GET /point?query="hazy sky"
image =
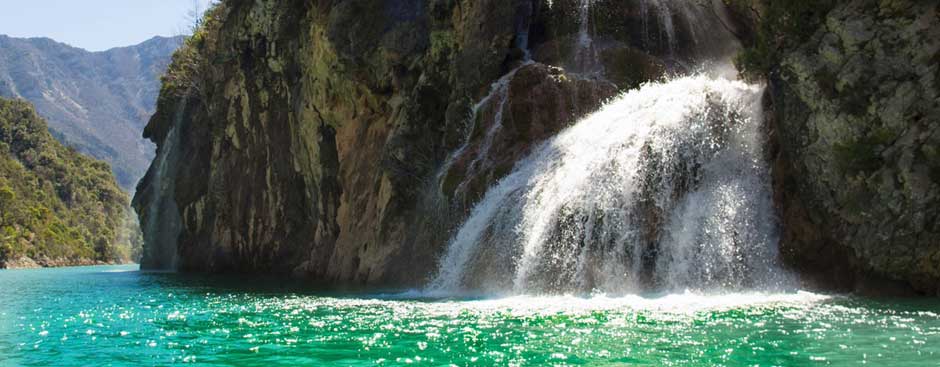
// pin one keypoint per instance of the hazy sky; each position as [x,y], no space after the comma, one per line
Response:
[95,25]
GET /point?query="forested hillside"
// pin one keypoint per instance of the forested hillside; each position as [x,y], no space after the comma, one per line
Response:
[57,206]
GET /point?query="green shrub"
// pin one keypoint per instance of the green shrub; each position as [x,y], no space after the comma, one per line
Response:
[189,62]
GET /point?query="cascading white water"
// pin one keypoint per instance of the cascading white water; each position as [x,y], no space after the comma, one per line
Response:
[499,94]
[664,188]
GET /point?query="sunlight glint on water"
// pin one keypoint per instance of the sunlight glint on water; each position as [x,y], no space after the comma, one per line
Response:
[74,317]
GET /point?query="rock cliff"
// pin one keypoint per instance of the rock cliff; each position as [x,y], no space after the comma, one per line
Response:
[856,114]
[341,140]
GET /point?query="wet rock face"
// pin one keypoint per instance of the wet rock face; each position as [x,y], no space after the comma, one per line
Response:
[535,104]
[314,142]
[857,113]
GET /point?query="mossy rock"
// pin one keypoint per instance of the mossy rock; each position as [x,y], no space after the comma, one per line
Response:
[859,156]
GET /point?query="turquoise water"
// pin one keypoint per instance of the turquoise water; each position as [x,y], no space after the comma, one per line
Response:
[120,317]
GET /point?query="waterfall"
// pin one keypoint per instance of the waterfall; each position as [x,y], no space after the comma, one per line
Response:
[524,14]
[695,25]
[163,223]
[586,58]
[664,17]
[498,94]
[665,188]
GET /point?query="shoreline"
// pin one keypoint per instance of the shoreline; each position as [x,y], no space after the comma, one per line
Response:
[43,263]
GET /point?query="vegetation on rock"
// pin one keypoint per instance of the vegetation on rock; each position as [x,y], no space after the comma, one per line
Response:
[189,61]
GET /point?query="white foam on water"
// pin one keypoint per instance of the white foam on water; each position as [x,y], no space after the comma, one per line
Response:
[519,306]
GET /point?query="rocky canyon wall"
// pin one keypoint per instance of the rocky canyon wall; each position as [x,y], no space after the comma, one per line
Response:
[343,141]
[340,140]
[856,113]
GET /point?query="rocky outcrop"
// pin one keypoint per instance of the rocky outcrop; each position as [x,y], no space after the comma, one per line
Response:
[856,114]
[302,152]
[318,138]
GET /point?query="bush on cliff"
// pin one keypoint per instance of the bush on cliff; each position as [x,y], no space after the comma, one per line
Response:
[189,61]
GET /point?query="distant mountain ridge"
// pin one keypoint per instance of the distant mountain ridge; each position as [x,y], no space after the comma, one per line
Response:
[98,102]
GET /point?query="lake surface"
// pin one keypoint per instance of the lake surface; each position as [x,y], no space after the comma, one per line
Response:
[100,316]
